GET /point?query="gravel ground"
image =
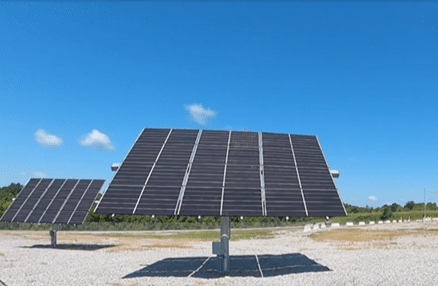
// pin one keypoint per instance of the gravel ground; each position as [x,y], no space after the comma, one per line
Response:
[291,258]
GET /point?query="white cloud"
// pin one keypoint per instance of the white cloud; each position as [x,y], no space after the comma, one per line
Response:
[199,113]
[96,139]
[372,198]
[38,175]
[28,175]
[46,139]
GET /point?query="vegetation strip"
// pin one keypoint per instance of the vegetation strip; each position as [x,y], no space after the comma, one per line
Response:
[359,235]
[198,235]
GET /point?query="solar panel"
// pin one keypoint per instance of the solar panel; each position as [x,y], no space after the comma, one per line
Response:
[56,201]
[242,193]
[203,192]
[320,193]
[222,173]
[282,186]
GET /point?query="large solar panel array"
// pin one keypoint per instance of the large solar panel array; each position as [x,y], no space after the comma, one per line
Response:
[56,201]
[223,173]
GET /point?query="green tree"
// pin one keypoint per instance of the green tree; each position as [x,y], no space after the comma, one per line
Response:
[409,205]
[396,207]
[386,214]
[431,206]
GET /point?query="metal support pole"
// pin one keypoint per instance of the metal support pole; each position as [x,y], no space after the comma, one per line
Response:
[424,203]
[224,257]
[53,236]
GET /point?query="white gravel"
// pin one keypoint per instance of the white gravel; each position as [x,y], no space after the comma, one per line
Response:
[408,260]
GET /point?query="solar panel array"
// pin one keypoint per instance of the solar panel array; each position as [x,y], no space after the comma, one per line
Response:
[222,173]
[57,201]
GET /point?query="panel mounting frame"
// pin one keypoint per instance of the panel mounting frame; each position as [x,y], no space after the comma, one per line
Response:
[298,175]
[150,172]
[187,174]
[225,173]
[262,176]
[34,188]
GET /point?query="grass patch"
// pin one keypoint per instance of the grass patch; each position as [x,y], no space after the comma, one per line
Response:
[358,235]
[375,216]
[200,235]
[158,245]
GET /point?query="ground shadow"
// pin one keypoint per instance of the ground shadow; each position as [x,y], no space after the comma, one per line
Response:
[89,247]
[240,266]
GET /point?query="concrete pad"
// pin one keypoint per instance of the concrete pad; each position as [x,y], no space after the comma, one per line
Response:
[322,225]
[387,221]
[394,221]
[400,220]
[335,224]
[349,223]
[372,222]
[308,227]
[380,221]
[361,223]
[316,226]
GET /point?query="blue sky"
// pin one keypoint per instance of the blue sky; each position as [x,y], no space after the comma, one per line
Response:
[79,81]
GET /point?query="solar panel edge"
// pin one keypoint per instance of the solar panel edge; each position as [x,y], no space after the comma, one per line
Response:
[115,173]
[7,210]
[94,199]
[27,198]
[152,169]
[333,180]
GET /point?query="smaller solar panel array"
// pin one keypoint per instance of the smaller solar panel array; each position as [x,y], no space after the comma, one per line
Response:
[56,201]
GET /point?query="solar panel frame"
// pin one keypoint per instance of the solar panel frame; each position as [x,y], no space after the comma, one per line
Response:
[58,201]
[30,201]
[317,182]
[283,189]
[41,197]
[167,178]
[65,201]
[257,174]
[14,207]
[242,189]
[199,199]
[40,207]
[120,209]
[333,180]
[152,169]
[86,203]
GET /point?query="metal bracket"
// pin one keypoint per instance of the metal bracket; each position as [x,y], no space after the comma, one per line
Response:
[186,176]
[225,172]
[298,175]
[53,236]
[262,175]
